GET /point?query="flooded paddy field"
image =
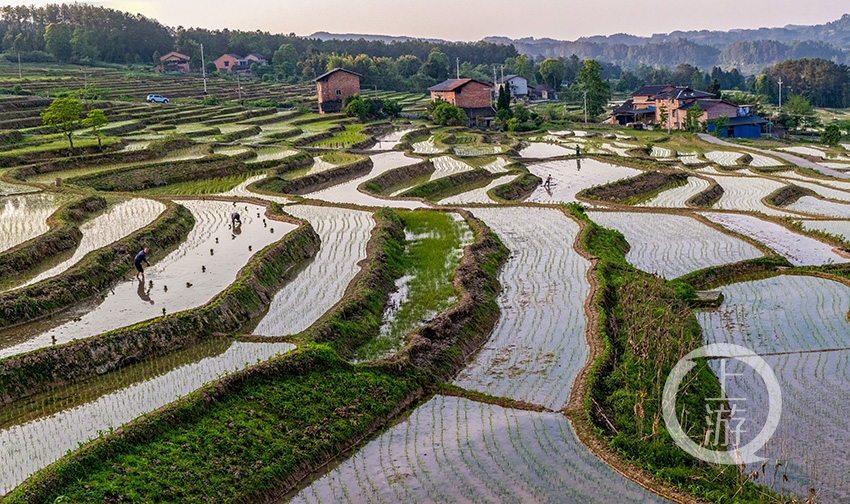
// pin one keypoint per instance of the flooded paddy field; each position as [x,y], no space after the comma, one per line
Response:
[478,195]
[746,193]
[201,267]
[572,176]
[673,245]
[24,216]
[678,197]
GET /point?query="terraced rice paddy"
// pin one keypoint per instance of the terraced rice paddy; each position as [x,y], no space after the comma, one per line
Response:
[724,158]
[815,206]
[800,325]
[835,166]
[677,197]
[447,165]
[761,161]
[7,189]
[538,345]
[798,249]
[497,166]
[622,152]
[30,446]
[344,234]
[674,245]
[427,147]
[390,140]
[478,195]
[823,191]
[119,221]
[477,150]
[23,217]
[539,150]
[241,191]
[271,154]
[689,158]
[569,177]
[660,152]
[201,267]
[434,243]
[837,227]
[232,150]
[746,193]
[456,450]
[347,192]
[805,151]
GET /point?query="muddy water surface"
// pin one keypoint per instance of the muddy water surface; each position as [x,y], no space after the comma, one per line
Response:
[571,176]
[24,216]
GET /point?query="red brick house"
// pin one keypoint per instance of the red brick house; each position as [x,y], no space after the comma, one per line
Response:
[471,95]
[232,63]
[335,86]
[256,58]
[174,62]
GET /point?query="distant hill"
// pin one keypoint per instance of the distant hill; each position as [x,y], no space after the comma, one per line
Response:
[748,50]
[357,36]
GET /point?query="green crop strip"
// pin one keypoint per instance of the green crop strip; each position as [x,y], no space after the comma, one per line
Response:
[200,187]
[646,327]
[428,262]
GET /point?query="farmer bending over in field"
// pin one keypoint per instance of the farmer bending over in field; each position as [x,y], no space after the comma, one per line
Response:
[141,256]
[234,219]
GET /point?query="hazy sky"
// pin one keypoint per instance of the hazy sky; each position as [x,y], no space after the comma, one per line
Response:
[475,19]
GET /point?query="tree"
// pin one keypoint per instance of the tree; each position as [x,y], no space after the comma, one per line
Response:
[831,135]
[447,114]
[64,113]
[503,101]
[57,41]
[285,59]
[714,88]
[719,124]
[662,113]
[84,46]
[210,67]
[95,120]
[392,108]
[598,91]
[692,118]
[553,71]
[360,107]
[437,66]
[797,113]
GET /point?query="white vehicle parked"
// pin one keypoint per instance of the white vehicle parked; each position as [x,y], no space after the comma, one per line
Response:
[155,98]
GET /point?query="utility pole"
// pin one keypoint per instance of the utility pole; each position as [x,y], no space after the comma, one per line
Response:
[203,69]
[239,87]
[585,106]
[780,92]
[495,85]
[20,74]
[457,61]
[669,118]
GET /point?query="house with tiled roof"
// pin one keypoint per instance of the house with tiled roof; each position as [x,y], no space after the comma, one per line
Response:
[335,86]
[473,96]
[516,85]
[664,103]
[174,62]
[232,63]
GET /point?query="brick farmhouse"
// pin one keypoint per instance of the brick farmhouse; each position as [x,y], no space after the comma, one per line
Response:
[335,86]
[647,104]
[473,96]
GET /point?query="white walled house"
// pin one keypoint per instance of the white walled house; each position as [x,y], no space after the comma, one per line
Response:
[517,85]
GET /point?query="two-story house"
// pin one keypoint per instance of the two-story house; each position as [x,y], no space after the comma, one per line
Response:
[473,96]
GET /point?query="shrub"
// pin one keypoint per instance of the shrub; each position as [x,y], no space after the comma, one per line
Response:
[447,114]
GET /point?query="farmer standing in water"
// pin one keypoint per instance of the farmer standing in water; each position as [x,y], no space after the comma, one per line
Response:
[235,219]
[141,256]
[548,182]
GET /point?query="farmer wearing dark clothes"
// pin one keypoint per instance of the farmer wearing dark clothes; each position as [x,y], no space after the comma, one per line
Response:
[235,219]
[578,150]
[141,256]
[548,182]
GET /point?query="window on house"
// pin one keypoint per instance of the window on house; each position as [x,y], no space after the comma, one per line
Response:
[338,92]
[227,63]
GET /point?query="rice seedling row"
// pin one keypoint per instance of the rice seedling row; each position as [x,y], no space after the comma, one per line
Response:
[28,447]
[746,193]
[538,345]
[787,313]
[390,140]
[241,191]
[447,165]
[24,217]
[117,222]
[478,195]
[344,234]
[812,205]
[497,166]
[835,166]
[201,267]
[346,192]
[456,450]
[571,176]
[660,152]
[798,249]
[761,161]
[805,151]
[792,175]
[724,158]
[677,197]
[673,245]
[622,152]
[826,192]
[477,150]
